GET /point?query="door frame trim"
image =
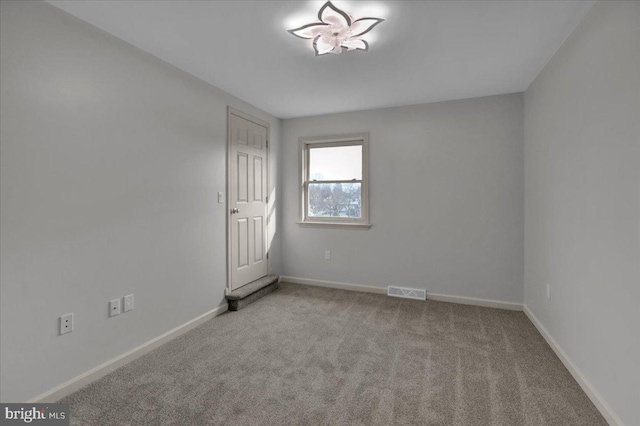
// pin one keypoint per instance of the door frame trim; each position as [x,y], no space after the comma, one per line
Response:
[232,111]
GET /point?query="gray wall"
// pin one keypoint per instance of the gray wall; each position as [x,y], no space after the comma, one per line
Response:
[446,200]
[111,161]
[582,206]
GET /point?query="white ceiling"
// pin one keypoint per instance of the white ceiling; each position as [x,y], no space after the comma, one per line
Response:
[424,52]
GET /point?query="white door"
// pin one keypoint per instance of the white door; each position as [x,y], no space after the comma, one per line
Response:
[247,199]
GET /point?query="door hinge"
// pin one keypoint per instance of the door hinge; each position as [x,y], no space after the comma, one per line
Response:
[267,143]
[267,198]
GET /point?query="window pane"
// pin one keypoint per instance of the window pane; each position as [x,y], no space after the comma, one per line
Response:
[335,200]
[335,163]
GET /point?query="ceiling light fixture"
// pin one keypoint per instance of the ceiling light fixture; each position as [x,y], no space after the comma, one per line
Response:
[336,31]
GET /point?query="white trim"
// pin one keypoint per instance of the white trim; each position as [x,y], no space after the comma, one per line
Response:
[232,111]
[474,301]
[334,284]
[102,370]
[304,144]
[242,114]
[337,225]
[602,406]
[383,290]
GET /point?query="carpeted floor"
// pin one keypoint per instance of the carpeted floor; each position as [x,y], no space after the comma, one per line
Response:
[314,356]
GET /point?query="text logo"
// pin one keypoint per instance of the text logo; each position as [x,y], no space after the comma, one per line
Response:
[35,414]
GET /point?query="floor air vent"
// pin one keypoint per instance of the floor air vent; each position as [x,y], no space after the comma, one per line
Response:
[407,293]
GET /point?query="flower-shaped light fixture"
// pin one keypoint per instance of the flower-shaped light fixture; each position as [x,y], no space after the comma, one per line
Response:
[336,31]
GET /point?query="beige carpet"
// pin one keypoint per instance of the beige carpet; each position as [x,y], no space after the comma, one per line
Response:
[314,356]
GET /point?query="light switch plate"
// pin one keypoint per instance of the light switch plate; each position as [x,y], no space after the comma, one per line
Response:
[128,303]
[548,291]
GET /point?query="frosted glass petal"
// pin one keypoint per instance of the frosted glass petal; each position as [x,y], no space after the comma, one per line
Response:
[330,14]
[354,43]
[321,46]
[364,25]
[308,31]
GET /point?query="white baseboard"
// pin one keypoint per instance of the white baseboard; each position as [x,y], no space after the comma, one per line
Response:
[102,370]
[602,406]
[430,296]
[474,301]
[334,284]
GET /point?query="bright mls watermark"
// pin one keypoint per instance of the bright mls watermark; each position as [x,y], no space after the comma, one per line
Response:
[36,414]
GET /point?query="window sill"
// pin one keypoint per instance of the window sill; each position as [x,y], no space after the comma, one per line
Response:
[338,225]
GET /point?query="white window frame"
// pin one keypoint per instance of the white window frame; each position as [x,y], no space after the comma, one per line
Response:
[330,141]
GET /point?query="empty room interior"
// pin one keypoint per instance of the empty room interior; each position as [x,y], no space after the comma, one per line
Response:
[320,212]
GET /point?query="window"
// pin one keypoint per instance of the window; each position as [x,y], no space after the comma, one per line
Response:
[334,187]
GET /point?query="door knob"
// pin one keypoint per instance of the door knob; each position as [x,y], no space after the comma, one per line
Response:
[235,210]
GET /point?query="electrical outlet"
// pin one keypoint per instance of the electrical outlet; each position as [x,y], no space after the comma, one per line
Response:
[128,303]
[114,307]
[66,324]
[220,197]
[327,255]
[549,291]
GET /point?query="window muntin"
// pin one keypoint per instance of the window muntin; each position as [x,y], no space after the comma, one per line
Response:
[334,186]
